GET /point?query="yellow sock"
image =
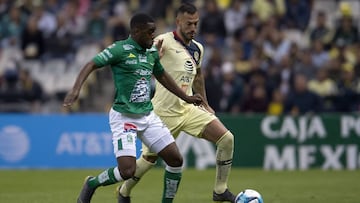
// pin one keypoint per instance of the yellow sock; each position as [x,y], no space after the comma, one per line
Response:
[142,166]
[224,155]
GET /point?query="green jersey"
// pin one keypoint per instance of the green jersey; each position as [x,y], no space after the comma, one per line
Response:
[132,67]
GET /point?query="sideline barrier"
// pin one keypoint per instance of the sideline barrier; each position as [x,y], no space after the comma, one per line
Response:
[329,142]
[55,141]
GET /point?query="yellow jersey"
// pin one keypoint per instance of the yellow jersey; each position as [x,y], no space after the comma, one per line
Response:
[180,61]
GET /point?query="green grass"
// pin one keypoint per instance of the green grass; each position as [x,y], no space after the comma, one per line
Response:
[62,186]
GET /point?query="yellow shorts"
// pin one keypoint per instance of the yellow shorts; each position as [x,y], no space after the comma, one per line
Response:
[193,123]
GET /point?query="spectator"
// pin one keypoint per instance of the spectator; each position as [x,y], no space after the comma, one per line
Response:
[300,100]
[297,14]
[60,43]
[256,101]
[276,104]
[234,17]
[357,61]
[264,9]
[13,97]
[213,77]
[231,88]
[346,33]
[325,87]
[33,90]
[276,46]
[12,25]
[319,56]
[321,31]
[96,25]
[349,90]
[46,20]
[32,40]
[305,65]
[212,25]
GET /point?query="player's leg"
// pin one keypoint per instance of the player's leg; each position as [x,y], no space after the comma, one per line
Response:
[172,177]
[124,170]
[147,160]
[162,143]
[143,164]
[217,133]
[124,133]
[203,124]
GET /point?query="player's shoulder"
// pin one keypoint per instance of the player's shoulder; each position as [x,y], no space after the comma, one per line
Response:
[124,45]
[198,44]
[165,36]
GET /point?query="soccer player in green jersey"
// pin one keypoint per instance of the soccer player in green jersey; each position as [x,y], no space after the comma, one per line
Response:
[133,62]
[181,57]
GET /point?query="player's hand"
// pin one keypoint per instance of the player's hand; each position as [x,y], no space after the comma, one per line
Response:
[70,98]
[207,107]
[196,99]
[158,45]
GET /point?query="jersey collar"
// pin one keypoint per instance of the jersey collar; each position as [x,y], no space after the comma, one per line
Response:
[177,38]
[133,42]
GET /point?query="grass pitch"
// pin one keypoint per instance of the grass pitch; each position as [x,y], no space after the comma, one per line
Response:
[63,186]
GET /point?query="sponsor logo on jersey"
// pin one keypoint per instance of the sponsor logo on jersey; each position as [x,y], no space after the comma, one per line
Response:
[188,66]
[131,62]
[128,46]
[142,58]
[143,72]
[186,79]
[129,127]
[141,91]
[131,55]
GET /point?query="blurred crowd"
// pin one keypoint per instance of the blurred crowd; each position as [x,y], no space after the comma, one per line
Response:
[261,56]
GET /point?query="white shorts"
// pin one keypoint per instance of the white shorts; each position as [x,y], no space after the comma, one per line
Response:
[148,128]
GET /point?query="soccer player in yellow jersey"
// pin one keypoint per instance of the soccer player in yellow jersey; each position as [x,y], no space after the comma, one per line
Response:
[181,57]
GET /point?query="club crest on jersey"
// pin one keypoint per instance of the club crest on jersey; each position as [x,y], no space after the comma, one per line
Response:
[196,56]
[189,66]
[129,128]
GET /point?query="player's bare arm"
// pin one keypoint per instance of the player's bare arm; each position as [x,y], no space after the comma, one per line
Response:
[166,80]
[73,94]
[199,87]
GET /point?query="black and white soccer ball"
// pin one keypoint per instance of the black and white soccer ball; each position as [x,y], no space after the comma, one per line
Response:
[249,196]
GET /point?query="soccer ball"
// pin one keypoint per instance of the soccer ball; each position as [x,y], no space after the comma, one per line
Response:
[249,196]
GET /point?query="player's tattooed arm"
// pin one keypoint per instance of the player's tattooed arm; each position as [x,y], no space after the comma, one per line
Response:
[199,87]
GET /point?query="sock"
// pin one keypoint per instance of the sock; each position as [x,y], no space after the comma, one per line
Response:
[107,177]
[172,179]
[142,166]
[224,155]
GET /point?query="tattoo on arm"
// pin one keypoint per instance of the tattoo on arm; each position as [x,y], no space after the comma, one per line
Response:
[199,84]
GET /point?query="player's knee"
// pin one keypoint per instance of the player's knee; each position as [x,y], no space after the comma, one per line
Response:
[150,158]
[127,173]
[226,141]
[176,161]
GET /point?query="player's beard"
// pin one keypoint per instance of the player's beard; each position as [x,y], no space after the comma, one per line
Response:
[188,36]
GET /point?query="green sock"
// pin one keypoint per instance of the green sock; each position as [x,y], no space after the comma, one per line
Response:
[107,177]
[171,183]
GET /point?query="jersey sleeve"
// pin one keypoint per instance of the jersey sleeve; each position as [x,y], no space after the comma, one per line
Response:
[158,68]
[201,54]
[110,55]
